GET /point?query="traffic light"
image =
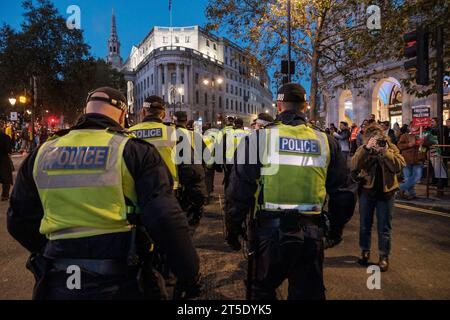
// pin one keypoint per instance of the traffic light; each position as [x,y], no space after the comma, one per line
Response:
[416,50]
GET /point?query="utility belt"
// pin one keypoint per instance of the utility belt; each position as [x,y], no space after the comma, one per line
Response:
[287,218]
[100,267]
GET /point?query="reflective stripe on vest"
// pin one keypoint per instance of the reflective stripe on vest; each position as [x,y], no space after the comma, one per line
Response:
[164,138]
[296,165]
[82,182]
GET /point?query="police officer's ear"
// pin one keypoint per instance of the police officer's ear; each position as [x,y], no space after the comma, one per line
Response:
[142,113]
[162,115]
[122,118]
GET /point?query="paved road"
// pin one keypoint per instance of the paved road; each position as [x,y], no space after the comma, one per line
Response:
[15,280]
[420,262]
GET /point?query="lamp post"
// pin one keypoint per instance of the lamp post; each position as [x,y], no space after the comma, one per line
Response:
[212,84]
[12,100]
[289,38]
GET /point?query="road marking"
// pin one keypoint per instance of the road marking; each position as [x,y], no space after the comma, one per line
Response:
[422,210]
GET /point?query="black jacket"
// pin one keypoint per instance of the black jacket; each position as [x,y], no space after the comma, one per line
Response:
[161,213]
[240,193]
[192,175]
[6,167]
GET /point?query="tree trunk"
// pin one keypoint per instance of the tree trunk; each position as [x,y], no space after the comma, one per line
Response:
[315,65]
[314,83]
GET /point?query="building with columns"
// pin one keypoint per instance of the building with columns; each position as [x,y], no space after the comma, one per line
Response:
[379,92]
[208,77]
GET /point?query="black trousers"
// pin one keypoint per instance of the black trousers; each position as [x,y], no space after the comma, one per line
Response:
[297,255]
[96,287]
[5,190]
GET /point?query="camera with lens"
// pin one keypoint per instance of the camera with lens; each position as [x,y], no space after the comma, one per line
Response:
[381,142]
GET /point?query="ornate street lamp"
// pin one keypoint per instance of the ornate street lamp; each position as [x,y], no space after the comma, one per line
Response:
[12,100]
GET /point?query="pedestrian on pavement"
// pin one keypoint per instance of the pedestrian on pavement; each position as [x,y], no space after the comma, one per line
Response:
[263,121]
[25,139]
[412,149]
[353,138]
[285,231]
[6,165]
[397,131]
[377,163]
[359,137]
[343,137]
[386,125]
[436,157]
[93,211]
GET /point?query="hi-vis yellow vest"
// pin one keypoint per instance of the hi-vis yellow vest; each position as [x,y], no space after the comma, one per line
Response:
[234,138]
[211,139]
[164,138]
[82,182]
[295,170]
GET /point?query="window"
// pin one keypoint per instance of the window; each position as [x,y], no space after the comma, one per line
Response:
[187,39]
[206,98]
[220,102]
[226,60]
[197,100]
[164,39]
[207,43]
[245,107]
[182,78]
[226,104]
[232,104]
[152,78]
[214,46]
[227,88]
[163,80]
[177,39]
[231,89]
[173,78]
[240,92]
[196,78]
[240,106]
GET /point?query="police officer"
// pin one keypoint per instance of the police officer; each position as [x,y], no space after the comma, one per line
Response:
[72,198]
[263,121]
[161,135]
[285,193]
[192,174]
[211,137]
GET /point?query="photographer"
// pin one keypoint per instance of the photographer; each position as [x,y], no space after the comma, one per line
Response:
[376,164]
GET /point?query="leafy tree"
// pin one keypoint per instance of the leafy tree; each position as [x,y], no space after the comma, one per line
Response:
[58,56]
[329,37]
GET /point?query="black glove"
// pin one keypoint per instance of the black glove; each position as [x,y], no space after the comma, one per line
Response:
[233,236]
[331,242]
[234,242]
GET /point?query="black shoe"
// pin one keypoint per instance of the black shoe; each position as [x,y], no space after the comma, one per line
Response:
[365,257]
[383,263]
[234,243]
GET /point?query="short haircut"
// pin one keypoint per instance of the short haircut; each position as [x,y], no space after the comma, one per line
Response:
[294,105]
[154,112]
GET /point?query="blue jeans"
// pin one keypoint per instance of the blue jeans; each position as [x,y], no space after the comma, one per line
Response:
[383,208]
[412,175]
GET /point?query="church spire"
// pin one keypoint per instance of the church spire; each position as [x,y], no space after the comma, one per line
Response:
[114,44]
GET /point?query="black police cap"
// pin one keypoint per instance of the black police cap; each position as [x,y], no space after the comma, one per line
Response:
[238,122]
[154,102]
[291,92]
[180,116]
[115,97]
